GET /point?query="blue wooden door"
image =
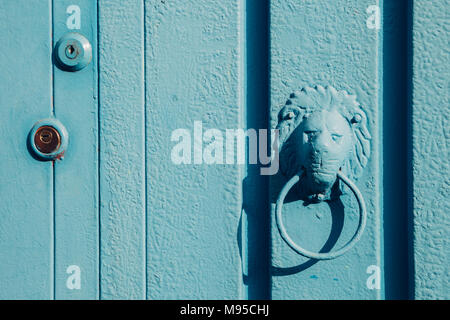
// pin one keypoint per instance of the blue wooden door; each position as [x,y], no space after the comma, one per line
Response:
[187,122]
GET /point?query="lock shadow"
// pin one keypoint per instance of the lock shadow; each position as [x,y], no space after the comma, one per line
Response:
[337,224]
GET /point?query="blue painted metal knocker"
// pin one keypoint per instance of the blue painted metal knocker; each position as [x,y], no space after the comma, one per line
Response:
[323,140]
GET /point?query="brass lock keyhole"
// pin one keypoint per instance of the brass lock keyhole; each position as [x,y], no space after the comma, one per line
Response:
[46,136]
[47,139]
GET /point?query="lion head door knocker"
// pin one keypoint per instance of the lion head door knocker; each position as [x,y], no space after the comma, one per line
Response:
[323,142]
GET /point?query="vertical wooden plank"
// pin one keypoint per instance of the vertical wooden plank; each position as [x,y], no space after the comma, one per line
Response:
[76,176]
[327,43]
[26,190]
[194,78]
[430,138]
[122,167]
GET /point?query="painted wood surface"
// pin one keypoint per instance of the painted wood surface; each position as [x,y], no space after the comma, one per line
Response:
[26,188]
[76,176]
[194,73]
[327,43]
[140,226]
[430,158]
[122,153]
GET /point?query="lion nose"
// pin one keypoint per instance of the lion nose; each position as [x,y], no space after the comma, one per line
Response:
[322,142]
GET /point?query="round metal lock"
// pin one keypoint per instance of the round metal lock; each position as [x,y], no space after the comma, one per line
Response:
[48,139]
[73,52]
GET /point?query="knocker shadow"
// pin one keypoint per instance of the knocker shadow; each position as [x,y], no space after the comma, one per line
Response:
[337,224]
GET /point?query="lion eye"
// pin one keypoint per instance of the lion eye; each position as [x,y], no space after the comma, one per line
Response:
[311,133]
[336,137]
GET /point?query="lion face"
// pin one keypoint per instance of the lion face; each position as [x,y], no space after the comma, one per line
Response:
[321,131]
[325,142]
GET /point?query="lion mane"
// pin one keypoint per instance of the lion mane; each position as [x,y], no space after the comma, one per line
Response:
[308,100]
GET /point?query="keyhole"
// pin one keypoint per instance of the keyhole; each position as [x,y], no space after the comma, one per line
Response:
[46,137]
[71,51]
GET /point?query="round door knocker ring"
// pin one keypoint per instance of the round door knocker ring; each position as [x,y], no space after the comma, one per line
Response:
[48,139]
[316,255]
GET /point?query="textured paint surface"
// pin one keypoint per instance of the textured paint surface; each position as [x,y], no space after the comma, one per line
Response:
[59,228]
[326,43]
[430,139]
[76,193]
[138,226]
[122,169]
[193,58]
[26,188]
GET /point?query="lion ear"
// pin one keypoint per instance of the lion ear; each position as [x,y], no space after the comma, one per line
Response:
[289,118]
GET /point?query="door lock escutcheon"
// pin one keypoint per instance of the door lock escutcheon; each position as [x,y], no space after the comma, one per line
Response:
[48,139]
[73,52]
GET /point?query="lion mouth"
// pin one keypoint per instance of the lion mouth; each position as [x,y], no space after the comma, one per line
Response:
[325,166]
[324,170]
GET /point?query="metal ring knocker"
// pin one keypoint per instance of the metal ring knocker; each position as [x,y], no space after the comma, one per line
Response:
[316,255]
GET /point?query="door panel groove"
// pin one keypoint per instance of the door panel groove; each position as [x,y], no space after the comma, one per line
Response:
[99,194]
[256,186]
[396,161]
[144,151]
